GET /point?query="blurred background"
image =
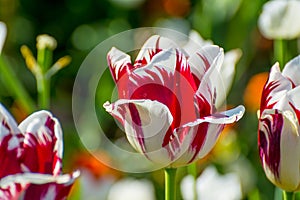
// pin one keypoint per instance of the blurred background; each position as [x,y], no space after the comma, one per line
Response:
[79,26]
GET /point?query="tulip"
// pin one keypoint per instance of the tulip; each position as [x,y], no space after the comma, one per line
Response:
[278,134]
[31,158]
[167,100]
[279,19]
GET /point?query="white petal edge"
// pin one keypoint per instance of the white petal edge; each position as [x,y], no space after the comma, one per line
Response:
[36,178]
[226,117]
[117,60]
[5,115]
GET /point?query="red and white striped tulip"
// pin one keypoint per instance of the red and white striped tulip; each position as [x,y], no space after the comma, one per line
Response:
[31,158]
[167,100]
[278,134]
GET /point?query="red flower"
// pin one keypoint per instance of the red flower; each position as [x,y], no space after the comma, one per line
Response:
[167,100]
[31,158]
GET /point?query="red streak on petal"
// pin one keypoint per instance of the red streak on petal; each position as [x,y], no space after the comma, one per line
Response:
[269,142]
[266,97]
[199,139]
[206,62]
[137,123]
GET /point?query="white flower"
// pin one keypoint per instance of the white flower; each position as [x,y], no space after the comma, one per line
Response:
[132,189]
[280,19]
[211,186]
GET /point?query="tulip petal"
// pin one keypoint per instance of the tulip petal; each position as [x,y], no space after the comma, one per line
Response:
[280,148]
[2,35]
[10,144]
[151,47]
[205,132]
[119,63]
[202,60]
[211,92]
[276,87]
[42,143]
[292,71]
[39,186]
[146,122]
[270,128]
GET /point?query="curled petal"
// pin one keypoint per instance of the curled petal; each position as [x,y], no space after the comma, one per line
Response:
[43,146]
[147,127]
[146,122]
[292,71]
[205,132]
[279,146]
[119,63]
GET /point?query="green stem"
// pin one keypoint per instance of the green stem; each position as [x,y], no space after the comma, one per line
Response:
[192,170]
[14,85]
[279,52]
[288,195]
[44,59]
[170,183]
[43,85]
